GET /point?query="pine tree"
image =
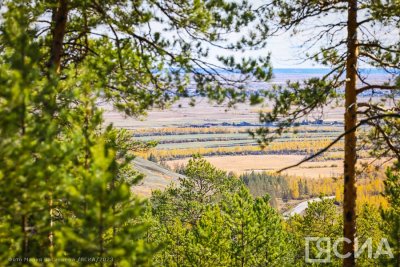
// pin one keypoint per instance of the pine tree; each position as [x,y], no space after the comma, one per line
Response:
[202,185]
[391,216]
[344,34]
[321,219]
[64,177]
[232,228]
[210,241]
[369,230]
[257,233]
[34,160]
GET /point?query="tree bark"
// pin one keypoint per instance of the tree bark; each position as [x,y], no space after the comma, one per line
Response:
[59,20]
[350,141]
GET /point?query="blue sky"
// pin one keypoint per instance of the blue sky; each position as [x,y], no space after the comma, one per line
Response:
[284,49]
[285,53]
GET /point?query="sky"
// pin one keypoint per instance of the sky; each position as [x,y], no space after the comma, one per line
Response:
[285,53]
[284,50]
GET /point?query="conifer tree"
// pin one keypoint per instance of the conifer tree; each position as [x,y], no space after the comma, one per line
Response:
[202,185]
[348,37]
[34,160]
[72,198]
[321,219]
[64,177]
[257,233]
[210,243]
[232,227]
[391,216]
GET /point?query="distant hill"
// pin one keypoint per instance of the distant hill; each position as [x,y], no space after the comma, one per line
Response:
[156,177]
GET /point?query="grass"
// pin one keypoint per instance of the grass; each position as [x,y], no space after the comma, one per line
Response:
[174,151]
[232,149]
[248,163]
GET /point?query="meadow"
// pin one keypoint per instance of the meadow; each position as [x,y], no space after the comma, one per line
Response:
[221,135]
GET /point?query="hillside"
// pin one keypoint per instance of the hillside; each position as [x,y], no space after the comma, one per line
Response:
[156,177]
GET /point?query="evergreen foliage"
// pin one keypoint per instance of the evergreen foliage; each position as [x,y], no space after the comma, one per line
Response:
[66,177]
[210,219]
[391,216]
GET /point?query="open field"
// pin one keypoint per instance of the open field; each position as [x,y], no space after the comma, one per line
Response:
[213,141]
[248,163]
[221,135]
[182,114]
[272,163]
[281,148]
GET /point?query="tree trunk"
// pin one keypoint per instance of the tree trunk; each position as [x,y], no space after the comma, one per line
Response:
[59,22]
[59,18]
[25,244]
[350,141]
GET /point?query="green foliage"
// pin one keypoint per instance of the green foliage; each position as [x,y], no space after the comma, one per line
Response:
[259,184]
[321,219]
[202,185]
[34,160]
[148,52]
[65,177]
[257,234]
[343,35]
[369,229]
[212,220]
[65,185]
[391,216]
[210,240]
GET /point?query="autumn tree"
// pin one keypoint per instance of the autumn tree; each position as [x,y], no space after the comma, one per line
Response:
[349,38]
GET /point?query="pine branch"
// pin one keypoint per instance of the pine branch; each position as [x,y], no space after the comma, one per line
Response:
[377,86]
